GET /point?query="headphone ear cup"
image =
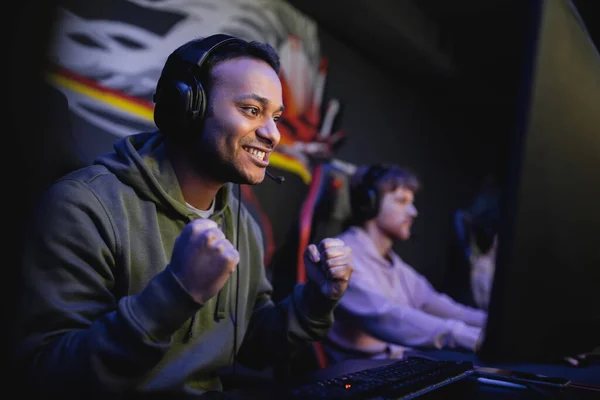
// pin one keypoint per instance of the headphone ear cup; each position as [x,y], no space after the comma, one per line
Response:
[364,203]
[197,108]
[180,104]
[365,196]
[175,105]
[372,204]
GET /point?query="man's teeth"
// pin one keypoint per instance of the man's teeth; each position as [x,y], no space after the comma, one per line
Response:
[256,153]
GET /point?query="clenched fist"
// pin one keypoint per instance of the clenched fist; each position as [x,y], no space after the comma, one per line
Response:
[203,259]
[329,265]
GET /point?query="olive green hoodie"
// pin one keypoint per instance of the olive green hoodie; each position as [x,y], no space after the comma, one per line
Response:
[101,313]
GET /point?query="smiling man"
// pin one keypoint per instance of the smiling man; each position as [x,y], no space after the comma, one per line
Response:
[388,305]
[143,274]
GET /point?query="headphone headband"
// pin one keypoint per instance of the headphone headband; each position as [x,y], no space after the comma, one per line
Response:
[374,172]
[205,46]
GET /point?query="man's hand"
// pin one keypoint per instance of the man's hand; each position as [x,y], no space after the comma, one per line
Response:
[203,259]
[329,265]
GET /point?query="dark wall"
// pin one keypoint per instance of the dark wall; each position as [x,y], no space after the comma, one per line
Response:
[31,150]
[454,131]
[391,117]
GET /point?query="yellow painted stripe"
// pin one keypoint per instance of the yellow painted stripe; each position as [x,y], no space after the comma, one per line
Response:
[111,99]
[277,159]
[289,164]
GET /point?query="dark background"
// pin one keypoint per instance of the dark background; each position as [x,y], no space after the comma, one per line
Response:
[429,84]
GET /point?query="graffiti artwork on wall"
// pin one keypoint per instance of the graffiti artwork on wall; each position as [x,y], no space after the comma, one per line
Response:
[107,57]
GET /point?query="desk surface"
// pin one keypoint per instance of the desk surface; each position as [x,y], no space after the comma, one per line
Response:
[468,388]
[589,374]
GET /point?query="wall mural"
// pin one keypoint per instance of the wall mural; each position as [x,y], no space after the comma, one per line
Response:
[106,57]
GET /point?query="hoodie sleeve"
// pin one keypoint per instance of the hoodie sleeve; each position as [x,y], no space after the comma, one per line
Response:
[442,305]
[73,332]
[277,331]
[383,318]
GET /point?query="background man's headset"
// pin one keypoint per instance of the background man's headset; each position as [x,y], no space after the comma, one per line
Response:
[365,196]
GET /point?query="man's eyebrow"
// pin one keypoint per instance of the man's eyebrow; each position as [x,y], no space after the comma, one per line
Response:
[262,100]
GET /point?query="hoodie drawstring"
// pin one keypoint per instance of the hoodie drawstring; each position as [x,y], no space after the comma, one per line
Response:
[190,331]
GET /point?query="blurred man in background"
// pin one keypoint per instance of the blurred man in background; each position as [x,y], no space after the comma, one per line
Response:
[388,305]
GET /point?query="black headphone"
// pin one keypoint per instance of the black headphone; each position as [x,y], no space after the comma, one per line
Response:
[365,196]
[180,100]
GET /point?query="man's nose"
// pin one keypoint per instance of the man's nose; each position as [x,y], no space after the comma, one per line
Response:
[413,211]
[269,131]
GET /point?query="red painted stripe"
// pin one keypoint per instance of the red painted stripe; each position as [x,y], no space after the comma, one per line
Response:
[306,216]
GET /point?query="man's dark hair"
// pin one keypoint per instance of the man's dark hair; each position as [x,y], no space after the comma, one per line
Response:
[233,50]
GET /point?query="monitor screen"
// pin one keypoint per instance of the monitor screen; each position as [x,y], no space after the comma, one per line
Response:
[545,301]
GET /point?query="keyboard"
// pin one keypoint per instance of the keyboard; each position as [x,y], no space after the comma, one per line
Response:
[402,379]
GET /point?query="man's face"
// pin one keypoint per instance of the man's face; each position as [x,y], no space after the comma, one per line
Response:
[240,131]
[396,213]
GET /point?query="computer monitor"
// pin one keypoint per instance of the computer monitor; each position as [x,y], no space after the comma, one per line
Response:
[545,302]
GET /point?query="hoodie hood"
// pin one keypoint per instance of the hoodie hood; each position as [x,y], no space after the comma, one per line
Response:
[141,162]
